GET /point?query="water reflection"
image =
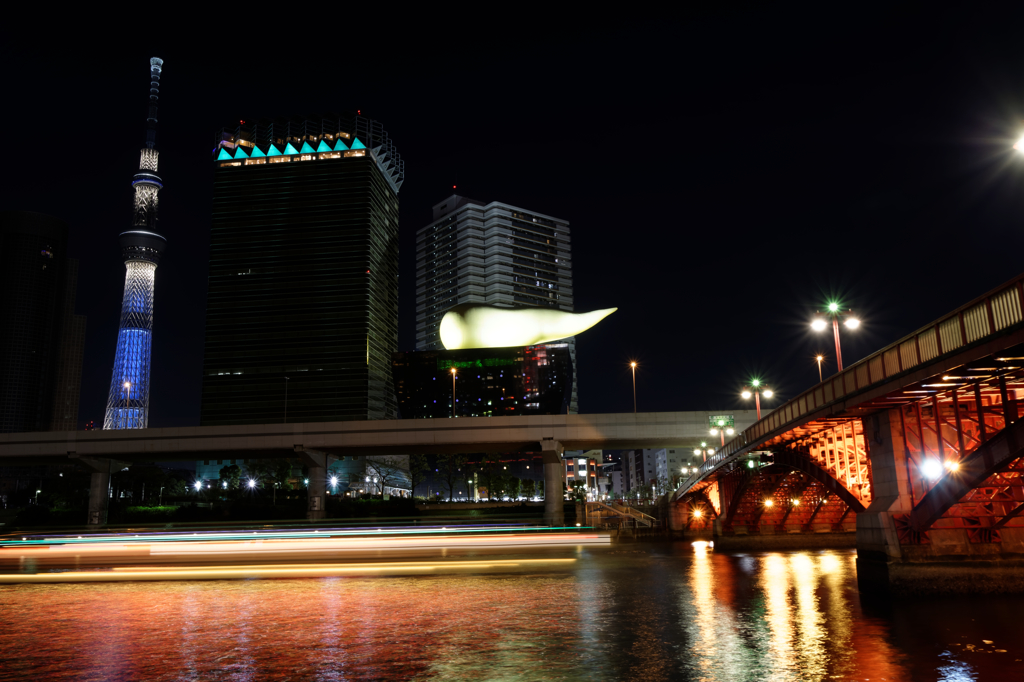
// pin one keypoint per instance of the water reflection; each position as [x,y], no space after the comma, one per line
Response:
[781,616]
[636,612]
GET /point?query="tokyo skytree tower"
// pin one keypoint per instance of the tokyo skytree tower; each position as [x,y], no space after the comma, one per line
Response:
[141,246]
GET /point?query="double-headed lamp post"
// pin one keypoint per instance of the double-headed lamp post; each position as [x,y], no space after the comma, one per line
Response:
[819,324]
[704,450]
[758,389]
[721,428]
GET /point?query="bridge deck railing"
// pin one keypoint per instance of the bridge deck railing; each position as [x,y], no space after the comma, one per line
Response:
[991,314]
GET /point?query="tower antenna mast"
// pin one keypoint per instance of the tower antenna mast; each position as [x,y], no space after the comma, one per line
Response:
[141,247]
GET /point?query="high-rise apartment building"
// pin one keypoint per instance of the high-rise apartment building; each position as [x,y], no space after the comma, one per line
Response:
[302,309]
[41,339]
[491,253]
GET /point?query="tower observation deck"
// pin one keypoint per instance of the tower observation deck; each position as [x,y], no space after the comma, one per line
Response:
[141,246]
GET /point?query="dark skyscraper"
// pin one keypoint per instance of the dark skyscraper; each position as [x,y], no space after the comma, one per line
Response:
[41,338]
[302,309]
[490,382]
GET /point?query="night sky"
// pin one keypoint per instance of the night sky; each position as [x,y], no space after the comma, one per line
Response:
[724,172]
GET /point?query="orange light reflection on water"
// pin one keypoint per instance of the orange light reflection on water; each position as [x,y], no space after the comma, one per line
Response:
[780,616]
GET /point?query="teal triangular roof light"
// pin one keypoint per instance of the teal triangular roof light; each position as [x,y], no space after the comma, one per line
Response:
[306,149]
[240,153]
[324,147]
[289,149]
[356,144]
[273,151]
[340,147]
[257,152]
[224,156]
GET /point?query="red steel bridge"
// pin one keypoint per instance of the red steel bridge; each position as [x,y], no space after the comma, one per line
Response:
[919,444]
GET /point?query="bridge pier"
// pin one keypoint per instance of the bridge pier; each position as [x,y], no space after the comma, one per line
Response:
[99,487]
[892,558]
[554,504]
[316,492]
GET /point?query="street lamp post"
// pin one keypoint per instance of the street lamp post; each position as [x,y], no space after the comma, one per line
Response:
[819,358]
[704,450]
[127,403]
[819,324]
[721,428]
[454,372]
[632,366]
[758,388]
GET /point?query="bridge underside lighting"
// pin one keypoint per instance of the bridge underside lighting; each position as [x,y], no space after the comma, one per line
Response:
[931,468]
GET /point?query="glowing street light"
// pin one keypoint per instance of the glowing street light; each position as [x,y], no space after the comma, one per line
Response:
[704,450]
[819,324]
[632,366]
[1019,144]
[819,358]
[758,390]
[251,483]
[199,486]
[127,402]
[720,427]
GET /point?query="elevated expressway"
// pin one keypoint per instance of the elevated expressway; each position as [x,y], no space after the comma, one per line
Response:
[919,446]
[104,451]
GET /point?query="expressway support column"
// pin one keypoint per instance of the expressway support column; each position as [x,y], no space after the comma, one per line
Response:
[99,487]
[554,503]
[878,546]
[317,462]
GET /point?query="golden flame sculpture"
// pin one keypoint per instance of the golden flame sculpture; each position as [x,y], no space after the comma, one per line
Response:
[473,325]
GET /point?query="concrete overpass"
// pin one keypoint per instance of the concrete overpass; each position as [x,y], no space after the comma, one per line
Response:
[105,451]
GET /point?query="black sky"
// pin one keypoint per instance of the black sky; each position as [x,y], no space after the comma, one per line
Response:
[723,171]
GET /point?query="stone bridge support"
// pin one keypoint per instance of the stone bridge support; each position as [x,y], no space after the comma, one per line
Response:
[554,502]
[99,486]
[877,542]
[317,463]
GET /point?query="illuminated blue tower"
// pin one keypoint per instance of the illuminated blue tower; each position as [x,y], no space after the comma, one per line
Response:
[141,246]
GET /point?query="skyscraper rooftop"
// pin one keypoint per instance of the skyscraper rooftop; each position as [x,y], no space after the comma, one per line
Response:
[309,138]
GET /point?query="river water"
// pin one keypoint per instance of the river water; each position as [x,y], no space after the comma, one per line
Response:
[630,612]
